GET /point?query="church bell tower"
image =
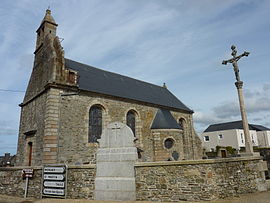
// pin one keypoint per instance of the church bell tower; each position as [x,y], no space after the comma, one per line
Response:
[47,27]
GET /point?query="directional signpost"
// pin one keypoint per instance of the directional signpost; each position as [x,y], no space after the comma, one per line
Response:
[27,173]
[54,182]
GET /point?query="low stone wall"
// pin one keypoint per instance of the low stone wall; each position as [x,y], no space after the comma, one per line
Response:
[80,182]
[12,183]
[157,181]
[199,180]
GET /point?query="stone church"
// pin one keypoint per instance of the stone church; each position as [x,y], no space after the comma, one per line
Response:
[68,104]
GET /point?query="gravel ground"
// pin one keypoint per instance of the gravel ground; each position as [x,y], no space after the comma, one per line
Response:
[260,197]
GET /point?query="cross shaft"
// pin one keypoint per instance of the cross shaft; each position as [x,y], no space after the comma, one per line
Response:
[239,85]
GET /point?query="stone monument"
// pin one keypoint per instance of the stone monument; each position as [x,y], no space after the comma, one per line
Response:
[115,176]
[239,86]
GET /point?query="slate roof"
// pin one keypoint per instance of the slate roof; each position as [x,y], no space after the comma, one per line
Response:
[164,120]
[96,80]
[233,125]
[260,127]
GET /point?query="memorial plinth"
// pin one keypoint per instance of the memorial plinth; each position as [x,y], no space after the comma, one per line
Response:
[115,176]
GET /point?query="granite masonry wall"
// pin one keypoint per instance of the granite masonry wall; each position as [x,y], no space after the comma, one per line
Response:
[73,142]
[80,182]
[158,181]
[199,180]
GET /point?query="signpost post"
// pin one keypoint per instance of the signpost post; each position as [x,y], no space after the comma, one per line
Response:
[54,181]
[27,173]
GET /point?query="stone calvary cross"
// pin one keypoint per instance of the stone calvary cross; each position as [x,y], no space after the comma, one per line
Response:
[234,61]
[239,85]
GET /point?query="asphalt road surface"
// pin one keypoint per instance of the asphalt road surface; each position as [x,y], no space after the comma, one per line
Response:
[260,197]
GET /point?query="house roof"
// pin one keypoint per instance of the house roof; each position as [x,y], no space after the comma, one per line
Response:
[233,125]
[260,127]
[100,81]
[164,120]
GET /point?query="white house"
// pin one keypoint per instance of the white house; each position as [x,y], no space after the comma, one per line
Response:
[263,135]
[232,134]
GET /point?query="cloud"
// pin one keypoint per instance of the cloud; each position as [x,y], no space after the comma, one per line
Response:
[6,128]
[205,119]
[257,104]
[266,88]
[181,43]
[226,110]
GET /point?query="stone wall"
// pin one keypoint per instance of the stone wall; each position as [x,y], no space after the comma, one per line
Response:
[61,125]
[158,181]
[32,120]
[162,152]
[198,180]
[80,182]
[74,122]
[12,183]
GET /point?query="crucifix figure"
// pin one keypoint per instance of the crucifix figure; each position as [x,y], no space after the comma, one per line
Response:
[239,85]
[234,61]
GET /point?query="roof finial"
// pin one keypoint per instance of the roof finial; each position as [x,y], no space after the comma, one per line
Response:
[164,85]
[48,11]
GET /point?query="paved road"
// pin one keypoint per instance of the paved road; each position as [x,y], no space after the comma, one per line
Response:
[262,197]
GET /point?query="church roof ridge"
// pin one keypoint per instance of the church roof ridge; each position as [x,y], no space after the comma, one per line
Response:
[105,82]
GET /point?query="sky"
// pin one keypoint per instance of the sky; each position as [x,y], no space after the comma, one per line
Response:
[179,42]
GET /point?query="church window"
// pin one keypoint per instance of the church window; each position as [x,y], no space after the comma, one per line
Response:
[181,123]
[131,121]
[169,143]
[95,123]
[175,155]
[71,77]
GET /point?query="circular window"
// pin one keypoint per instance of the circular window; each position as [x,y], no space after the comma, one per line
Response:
[169,143]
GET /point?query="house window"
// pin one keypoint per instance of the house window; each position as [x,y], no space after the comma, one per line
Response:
[220,136]
[242,140]
[206,138]
[95,123]
[131,121]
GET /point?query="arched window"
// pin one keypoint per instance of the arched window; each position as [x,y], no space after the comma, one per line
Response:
[95,123]
[131,121]
[181,123]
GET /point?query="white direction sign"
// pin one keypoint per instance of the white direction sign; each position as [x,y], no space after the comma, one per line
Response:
[53,177]
[51,191]
[54,181]
[56,184]
[48,169]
